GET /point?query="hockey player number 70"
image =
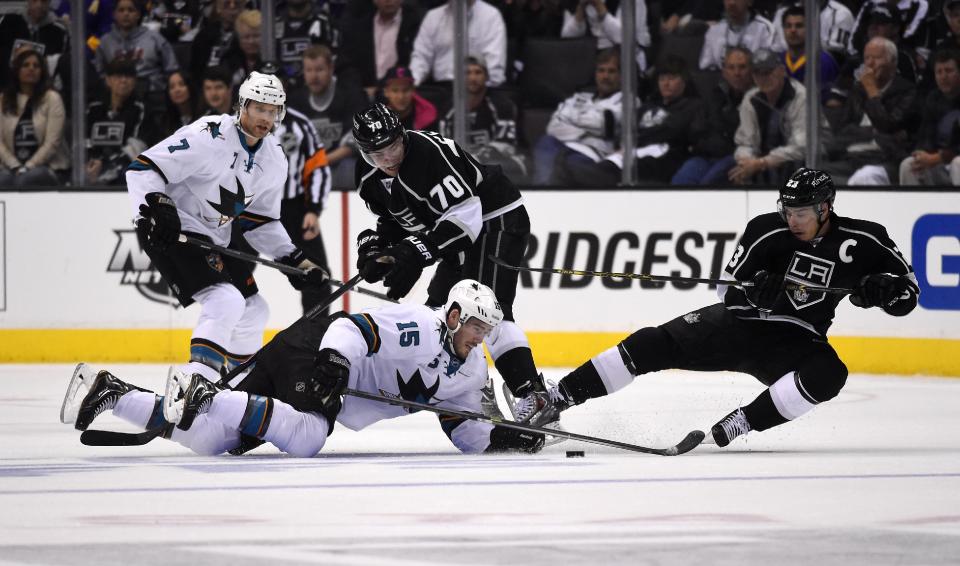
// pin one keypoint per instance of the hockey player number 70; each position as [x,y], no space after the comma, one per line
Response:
[453,187]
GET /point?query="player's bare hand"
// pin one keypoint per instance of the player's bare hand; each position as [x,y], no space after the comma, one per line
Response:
[310,226]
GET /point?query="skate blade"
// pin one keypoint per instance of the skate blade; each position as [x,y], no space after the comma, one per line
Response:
[83,376]
[551,440]
[510,399]
[177,383]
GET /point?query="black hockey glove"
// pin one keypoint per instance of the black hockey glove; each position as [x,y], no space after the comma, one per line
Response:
[313,276]
[160,221]
[504,439]
[765,291]
[330,376]
[411,255]
[878,290]
[370,248]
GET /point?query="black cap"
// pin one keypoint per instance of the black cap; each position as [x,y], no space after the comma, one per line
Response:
[884,14]
[765,60]
[121,66]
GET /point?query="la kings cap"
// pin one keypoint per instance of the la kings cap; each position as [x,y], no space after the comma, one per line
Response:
[765,60]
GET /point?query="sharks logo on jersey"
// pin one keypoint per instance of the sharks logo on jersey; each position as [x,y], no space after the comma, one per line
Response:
[231,205]
[214,130]
[416,390]
[806,269]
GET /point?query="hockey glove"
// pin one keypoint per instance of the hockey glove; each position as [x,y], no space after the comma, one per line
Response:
[313,276]
[504,439]
[160,222]
[765,291]
[411,255]
[330,376]
[370,248]
[878,290]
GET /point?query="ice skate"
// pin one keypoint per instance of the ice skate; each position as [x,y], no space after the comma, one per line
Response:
[733,425]
[539,408]
[102,394]
[187,397]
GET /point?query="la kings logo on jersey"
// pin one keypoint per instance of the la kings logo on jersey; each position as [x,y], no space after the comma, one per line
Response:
[137,269]
[806,269]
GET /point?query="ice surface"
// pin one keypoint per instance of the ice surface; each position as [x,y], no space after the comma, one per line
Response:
[872,477]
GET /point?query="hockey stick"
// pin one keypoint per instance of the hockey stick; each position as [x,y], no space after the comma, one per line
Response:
[115,438]
[282,267]
[687,444]
[668,278]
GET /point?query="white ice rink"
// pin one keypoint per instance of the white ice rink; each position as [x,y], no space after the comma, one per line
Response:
[872,477]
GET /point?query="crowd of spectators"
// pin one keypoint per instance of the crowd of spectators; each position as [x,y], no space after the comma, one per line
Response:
[720,98]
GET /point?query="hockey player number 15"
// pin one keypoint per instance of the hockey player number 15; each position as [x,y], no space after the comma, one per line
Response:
[408,337]
[452,186]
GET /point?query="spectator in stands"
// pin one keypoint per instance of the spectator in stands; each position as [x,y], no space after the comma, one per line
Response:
[300,24]
[793,26]
[177,20]
[712,136]
[663,133]
[883,20]
[936,160]
[149,51]
[181,108]
[38,29]
[951,28]
[375,41]
[415,111]
[874,134]
[742,27]
[31,126]
[531,18]
[114,138]
[330,104]
[215,36]
[492,128]
[690,16]
[909,17]
[432,56]
[836,26]
[772,136]
[217,92]
[585,127]
[596,16]
[243,57]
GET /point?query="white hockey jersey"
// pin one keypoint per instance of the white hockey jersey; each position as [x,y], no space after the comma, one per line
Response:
[399,351]
[214,178]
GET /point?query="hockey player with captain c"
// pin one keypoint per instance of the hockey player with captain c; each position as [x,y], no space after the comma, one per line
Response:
[774,333]
[436,204]
[199,181]
[292,396]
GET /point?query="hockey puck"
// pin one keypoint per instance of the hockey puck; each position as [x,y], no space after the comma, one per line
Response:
[574,453]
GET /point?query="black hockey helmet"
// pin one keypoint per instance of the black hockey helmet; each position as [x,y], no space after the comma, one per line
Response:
[806,187]
[377,127]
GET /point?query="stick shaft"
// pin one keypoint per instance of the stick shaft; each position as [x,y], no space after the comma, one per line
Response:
[282,267]
[504,423]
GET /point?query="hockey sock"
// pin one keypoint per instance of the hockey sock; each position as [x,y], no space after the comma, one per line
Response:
[247,334]
[296,433]
[790,397]
[583,383]
[230,408]
[207,353]
[614,368]
[762,414]
[140,409]
[221,308]
[518,371]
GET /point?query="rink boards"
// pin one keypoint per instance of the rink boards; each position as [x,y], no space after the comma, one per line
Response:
[74,283]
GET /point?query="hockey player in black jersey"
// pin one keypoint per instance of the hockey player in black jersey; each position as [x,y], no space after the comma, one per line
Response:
[435,203]
[773,328]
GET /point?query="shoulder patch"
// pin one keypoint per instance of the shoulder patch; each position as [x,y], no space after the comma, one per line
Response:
[369,329]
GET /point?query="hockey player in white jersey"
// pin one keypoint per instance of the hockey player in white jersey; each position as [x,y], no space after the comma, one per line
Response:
[199,181]
[292,396]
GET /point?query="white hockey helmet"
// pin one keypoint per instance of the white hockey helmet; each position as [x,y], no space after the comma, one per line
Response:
[264,88]
[475,300]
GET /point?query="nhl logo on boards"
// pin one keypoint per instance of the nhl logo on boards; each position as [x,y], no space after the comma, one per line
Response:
[137,270]
[691,317]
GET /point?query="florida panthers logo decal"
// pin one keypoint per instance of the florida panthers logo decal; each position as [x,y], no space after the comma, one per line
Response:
[806,269]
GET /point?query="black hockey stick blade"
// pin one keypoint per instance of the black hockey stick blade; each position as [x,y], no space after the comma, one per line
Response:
[288,269]
[114,438]
[686,445]
[666,278]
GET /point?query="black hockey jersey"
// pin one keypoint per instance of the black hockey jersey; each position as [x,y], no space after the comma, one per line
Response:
[295,35]
[440,192]
[849,250]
